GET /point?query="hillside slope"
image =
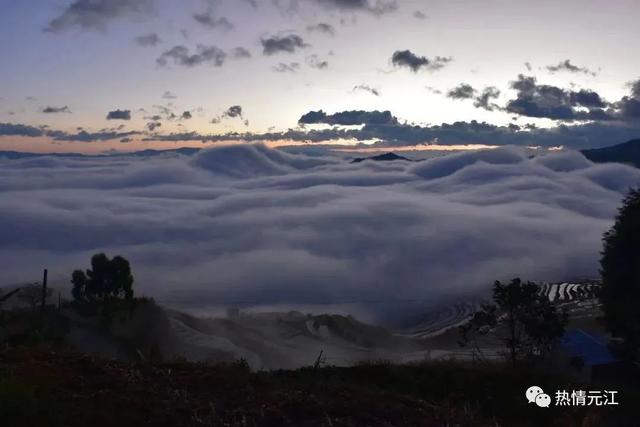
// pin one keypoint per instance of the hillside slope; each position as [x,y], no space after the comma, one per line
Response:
[627,153]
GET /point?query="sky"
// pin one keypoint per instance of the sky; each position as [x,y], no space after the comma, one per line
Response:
[101,75]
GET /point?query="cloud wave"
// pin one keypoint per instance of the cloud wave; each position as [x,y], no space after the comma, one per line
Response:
[250,226]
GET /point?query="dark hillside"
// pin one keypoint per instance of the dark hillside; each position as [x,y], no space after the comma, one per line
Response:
[628,153]
[59,388]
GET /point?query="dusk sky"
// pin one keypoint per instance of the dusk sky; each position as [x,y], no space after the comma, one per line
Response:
[99,75]
[283,94]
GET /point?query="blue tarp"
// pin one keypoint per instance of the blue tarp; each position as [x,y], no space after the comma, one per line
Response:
[592,350]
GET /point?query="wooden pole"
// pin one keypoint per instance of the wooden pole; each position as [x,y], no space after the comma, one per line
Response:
[43,299]
[319,361]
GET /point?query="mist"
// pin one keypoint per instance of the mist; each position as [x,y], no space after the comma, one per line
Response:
[251,227]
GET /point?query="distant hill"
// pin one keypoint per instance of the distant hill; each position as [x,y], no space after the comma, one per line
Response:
[187,151]
[13,155]
[628,153]
[381,158]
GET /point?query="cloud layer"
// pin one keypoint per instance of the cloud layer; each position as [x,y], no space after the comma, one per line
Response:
[95,14]
[406,58]
[250,226]
[286,43]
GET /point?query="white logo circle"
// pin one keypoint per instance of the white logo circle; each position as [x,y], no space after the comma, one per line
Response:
[532,392]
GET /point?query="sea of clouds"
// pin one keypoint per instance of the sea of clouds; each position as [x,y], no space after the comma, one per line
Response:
[249,226]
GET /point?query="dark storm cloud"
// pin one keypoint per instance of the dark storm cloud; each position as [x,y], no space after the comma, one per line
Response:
[481,99]
[566,65]
[119,115]
[96,14]
[462,91]
[586,98]
[628,108]
[322,27]
[315,135]
[635,89]
[366,88]
[152,126]
[277,44]
[377,7]
[388,132]
[315,62]
[164,112]
[552,102]
[16,129]
[439,62]
[406,58]
[55,110]
[349,118]
[384,128]
[586,135]
[418,14]
[233,111]
[205,55]
[148,40]
[240,52]
[84,136]
[209,20]
[291,67]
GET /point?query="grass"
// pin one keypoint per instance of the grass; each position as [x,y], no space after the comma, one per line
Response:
[28,405]
[47,387]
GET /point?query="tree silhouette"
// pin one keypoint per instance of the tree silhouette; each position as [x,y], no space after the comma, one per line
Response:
[620,270]
[107,279]
[522,318]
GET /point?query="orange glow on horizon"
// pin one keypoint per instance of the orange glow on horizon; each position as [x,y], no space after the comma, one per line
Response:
[45,145]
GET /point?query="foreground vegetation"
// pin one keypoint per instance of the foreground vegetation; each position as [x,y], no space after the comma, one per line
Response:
[47,387]
[620,268]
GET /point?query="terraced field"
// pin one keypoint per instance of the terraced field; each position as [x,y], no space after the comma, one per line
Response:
[580,298]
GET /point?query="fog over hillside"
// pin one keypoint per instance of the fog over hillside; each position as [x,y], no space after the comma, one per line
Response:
[247,226]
